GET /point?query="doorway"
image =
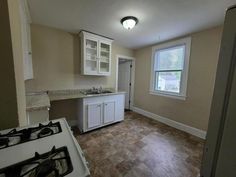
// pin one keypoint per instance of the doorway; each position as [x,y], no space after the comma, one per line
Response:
[125,79]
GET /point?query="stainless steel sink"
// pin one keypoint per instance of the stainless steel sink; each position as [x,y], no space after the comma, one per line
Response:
[95,92]
[106,91]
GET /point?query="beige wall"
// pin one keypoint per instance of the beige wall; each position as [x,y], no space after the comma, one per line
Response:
[56,61]
[194,111]
[15,23]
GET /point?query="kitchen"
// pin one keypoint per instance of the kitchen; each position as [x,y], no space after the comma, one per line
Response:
[120,96]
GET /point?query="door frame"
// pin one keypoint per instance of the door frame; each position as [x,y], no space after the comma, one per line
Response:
[118,57]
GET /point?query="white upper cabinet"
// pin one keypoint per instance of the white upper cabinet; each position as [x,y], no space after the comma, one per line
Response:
[95,54]
[26,40]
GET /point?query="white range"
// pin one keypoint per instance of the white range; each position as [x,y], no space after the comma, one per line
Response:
[45,150]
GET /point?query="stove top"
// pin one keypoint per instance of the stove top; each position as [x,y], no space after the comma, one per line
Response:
[15,137]
[55,163]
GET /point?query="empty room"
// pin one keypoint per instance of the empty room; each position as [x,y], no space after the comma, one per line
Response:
[128,88]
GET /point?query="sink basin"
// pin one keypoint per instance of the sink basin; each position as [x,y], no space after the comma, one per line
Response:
[96,92]
[106,91]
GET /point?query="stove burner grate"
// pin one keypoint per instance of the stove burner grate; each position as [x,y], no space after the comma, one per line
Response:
[15,137]
[3,142]
[56,163]
[46,168]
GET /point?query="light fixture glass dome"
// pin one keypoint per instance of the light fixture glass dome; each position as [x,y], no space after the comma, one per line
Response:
[129,22]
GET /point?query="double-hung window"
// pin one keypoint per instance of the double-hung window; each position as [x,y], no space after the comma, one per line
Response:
[169,71]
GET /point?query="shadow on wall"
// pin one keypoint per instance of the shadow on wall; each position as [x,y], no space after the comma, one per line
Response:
[76,54]
[64,109]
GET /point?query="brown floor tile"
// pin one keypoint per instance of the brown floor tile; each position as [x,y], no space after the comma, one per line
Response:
[141,147]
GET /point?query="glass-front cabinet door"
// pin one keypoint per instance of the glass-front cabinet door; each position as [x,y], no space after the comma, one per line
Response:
[91,56]
[104,57]
[95,54]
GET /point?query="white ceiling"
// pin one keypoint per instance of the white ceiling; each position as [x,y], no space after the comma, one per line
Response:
[159,20]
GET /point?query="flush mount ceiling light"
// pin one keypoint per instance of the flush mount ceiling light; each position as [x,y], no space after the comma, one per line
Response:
[129,22]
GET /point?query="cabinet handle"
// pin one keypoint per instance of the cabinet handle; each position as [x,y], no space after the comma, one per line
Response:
[99,105]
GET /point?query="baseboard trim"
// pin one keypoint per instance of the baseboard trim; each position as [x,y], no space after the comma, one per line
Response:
[191,130]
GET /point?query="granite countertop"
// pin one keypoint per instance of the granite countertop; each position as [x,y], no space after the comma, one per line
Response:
[76,93]
[37,101]
[41,100]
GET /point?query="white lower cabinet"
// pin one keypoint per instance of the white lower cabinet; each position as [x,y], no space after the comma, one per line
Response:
[99,111]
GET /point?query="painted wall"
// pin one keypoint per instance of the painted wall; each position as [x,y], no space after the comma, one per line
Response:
[194,111]
[56,61]
[15,24]
[56,65]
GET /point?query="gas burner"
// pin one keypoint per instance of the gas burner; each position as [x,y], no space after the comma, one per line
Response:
[56,163]
[15,137]
[45,132]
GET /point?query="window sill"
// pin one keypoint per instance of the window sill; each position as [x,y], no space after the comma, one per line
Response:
[169,95]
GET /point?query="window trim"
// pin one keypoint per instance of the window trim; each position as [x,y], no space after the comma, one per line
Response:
[184,77]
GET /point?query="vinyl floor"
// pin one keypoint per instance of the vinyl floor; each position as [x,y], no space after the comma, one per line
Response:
[141,147]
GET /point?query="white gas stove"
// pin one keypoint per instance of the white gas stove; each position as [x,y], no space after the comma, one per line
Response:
[45,150]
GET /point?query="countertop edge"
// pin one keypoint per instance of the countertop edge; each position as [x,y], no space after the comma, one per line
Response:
[58,97]
[37,108]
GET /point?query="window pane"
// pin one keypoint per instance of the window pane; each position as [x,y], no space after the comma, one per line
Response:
[170,59]
[168,81]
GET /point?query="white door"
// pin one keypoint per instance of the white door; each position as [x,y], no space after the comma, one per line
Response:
[94,115]
[124,80]
[109,112]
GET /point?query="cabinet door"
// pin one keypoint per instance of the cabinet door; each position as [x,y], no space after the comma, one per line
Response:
[94,115]
[91,56]
[104,57]
[109,112]
[26,41]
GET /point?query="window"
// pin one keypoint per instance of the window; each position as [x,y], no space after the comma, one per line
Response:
[170,68]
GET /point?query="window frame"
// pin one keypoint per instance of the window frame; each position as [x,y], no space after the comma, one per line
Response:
[184,72]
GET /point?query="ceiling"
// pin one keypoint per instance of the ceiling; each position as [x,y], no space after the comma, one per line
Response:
[159,20]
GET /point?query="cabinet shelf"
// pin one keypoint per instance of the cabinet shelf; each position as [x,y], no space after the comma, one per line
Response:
[105,51]
[91,48]
[104,61]
[91,60]
[91,57]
